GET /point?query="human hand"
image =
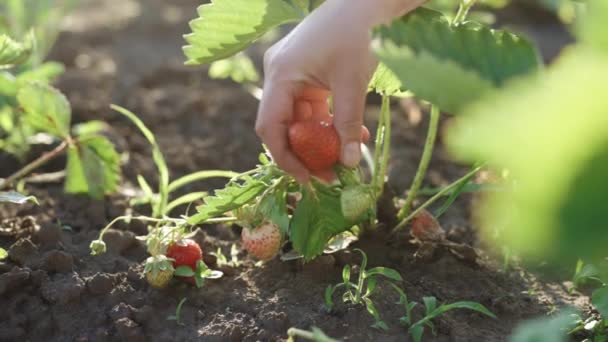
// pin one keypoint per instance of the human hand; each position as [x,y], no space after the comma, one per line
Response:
[328,53]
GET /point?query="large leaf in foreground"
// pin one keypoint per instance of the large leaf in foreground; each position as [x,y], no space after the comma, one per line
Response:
[317,219]
[551,133]
[451,65]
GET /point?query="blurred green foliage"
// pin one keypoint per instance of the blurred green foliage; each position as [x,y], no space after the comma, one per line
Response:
[551,131]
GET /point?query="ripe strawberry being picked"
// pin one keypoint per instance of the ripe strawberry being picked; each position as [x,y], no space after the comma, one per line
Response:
[263,242]
[185,252]
[158,271]
[425,227]
[315,143]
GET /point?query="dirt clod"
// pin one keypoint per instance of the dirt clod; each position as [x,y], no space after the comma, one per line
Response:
[118,241]
[13,279]
[58,261]
[63,288]
[25,253]
[129,331]
[100,283]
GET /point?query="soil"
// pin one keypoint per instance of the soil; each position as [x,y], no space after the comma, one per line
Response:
[129,53]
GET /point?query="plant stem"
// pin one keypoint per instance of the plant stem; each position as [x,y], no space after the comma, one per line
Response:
[378,145]
[381,152]
[43,159]
[424,163]
[437,196]
[463,11]
[386,143]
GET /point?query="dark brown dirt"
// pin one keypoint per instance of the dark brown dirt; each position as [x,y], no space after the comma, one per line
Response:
[51,289]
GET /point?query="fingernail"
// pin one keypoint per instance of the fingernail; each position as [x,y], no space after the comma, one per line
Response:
[351,155]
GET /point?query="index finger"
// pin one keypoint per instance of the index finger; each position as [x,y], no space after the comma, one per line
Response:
[272,125]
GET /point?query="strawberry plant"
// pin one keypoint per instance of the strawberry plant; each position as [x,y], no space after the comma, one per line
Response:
[36,25]
[93,164]
[416,329]
[471,61]
[360,292]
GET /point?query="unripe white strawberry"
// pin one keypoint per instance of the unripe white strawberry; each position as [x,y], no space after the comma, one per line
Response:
[263,242]
[357,201]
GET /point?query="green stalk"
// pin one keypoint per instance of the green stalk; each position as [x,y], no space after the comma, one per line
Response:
[437,196]
[463,11]
[378,145]
[386,143]
[381,153]
[424,163]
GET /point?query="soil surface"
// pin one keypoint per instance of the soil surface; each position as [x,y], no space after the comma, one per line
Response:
[129,53]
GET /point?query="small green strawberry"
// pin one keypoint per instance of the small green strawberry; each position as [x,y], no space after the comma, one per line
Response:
[263,242]
[348,176]
[358,202]
[158,271]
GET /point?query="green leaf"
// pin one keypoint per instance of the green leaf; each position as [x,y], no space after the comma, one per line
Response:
[46,108]
[89,128]
[157,156]
[274,207]
[552,329]
[454,195]
[557,211]
[584,273]
[3,254]
[93,167]
[184,271]
[463,305]
[416,331]
[346,274]
[44,73]
[15,197]
[12,52]
[430,303]
[592,27]
[317,219]
[600,301]
[233,196]
[384,271]
[384,82]
[451,66]
[239,68]
[225,27]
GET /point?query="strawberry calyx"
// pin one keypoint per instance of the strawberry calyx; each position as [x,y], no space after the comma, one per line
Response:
[199,275]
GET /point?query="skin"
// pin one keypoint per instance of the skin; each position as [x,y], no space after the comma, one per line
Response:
[328,53]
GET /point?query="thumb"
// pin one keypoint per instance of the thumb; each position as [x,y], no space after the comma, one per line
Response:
[349,104]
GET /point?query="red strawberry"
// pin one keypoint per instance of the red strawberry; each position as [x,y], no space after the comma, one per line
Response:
[425,227]
[263,242]
[185,252]
[315,143]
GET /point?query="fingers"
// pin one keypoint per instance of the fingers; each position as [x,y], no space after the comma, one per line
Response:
[272,124]
[349,104]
